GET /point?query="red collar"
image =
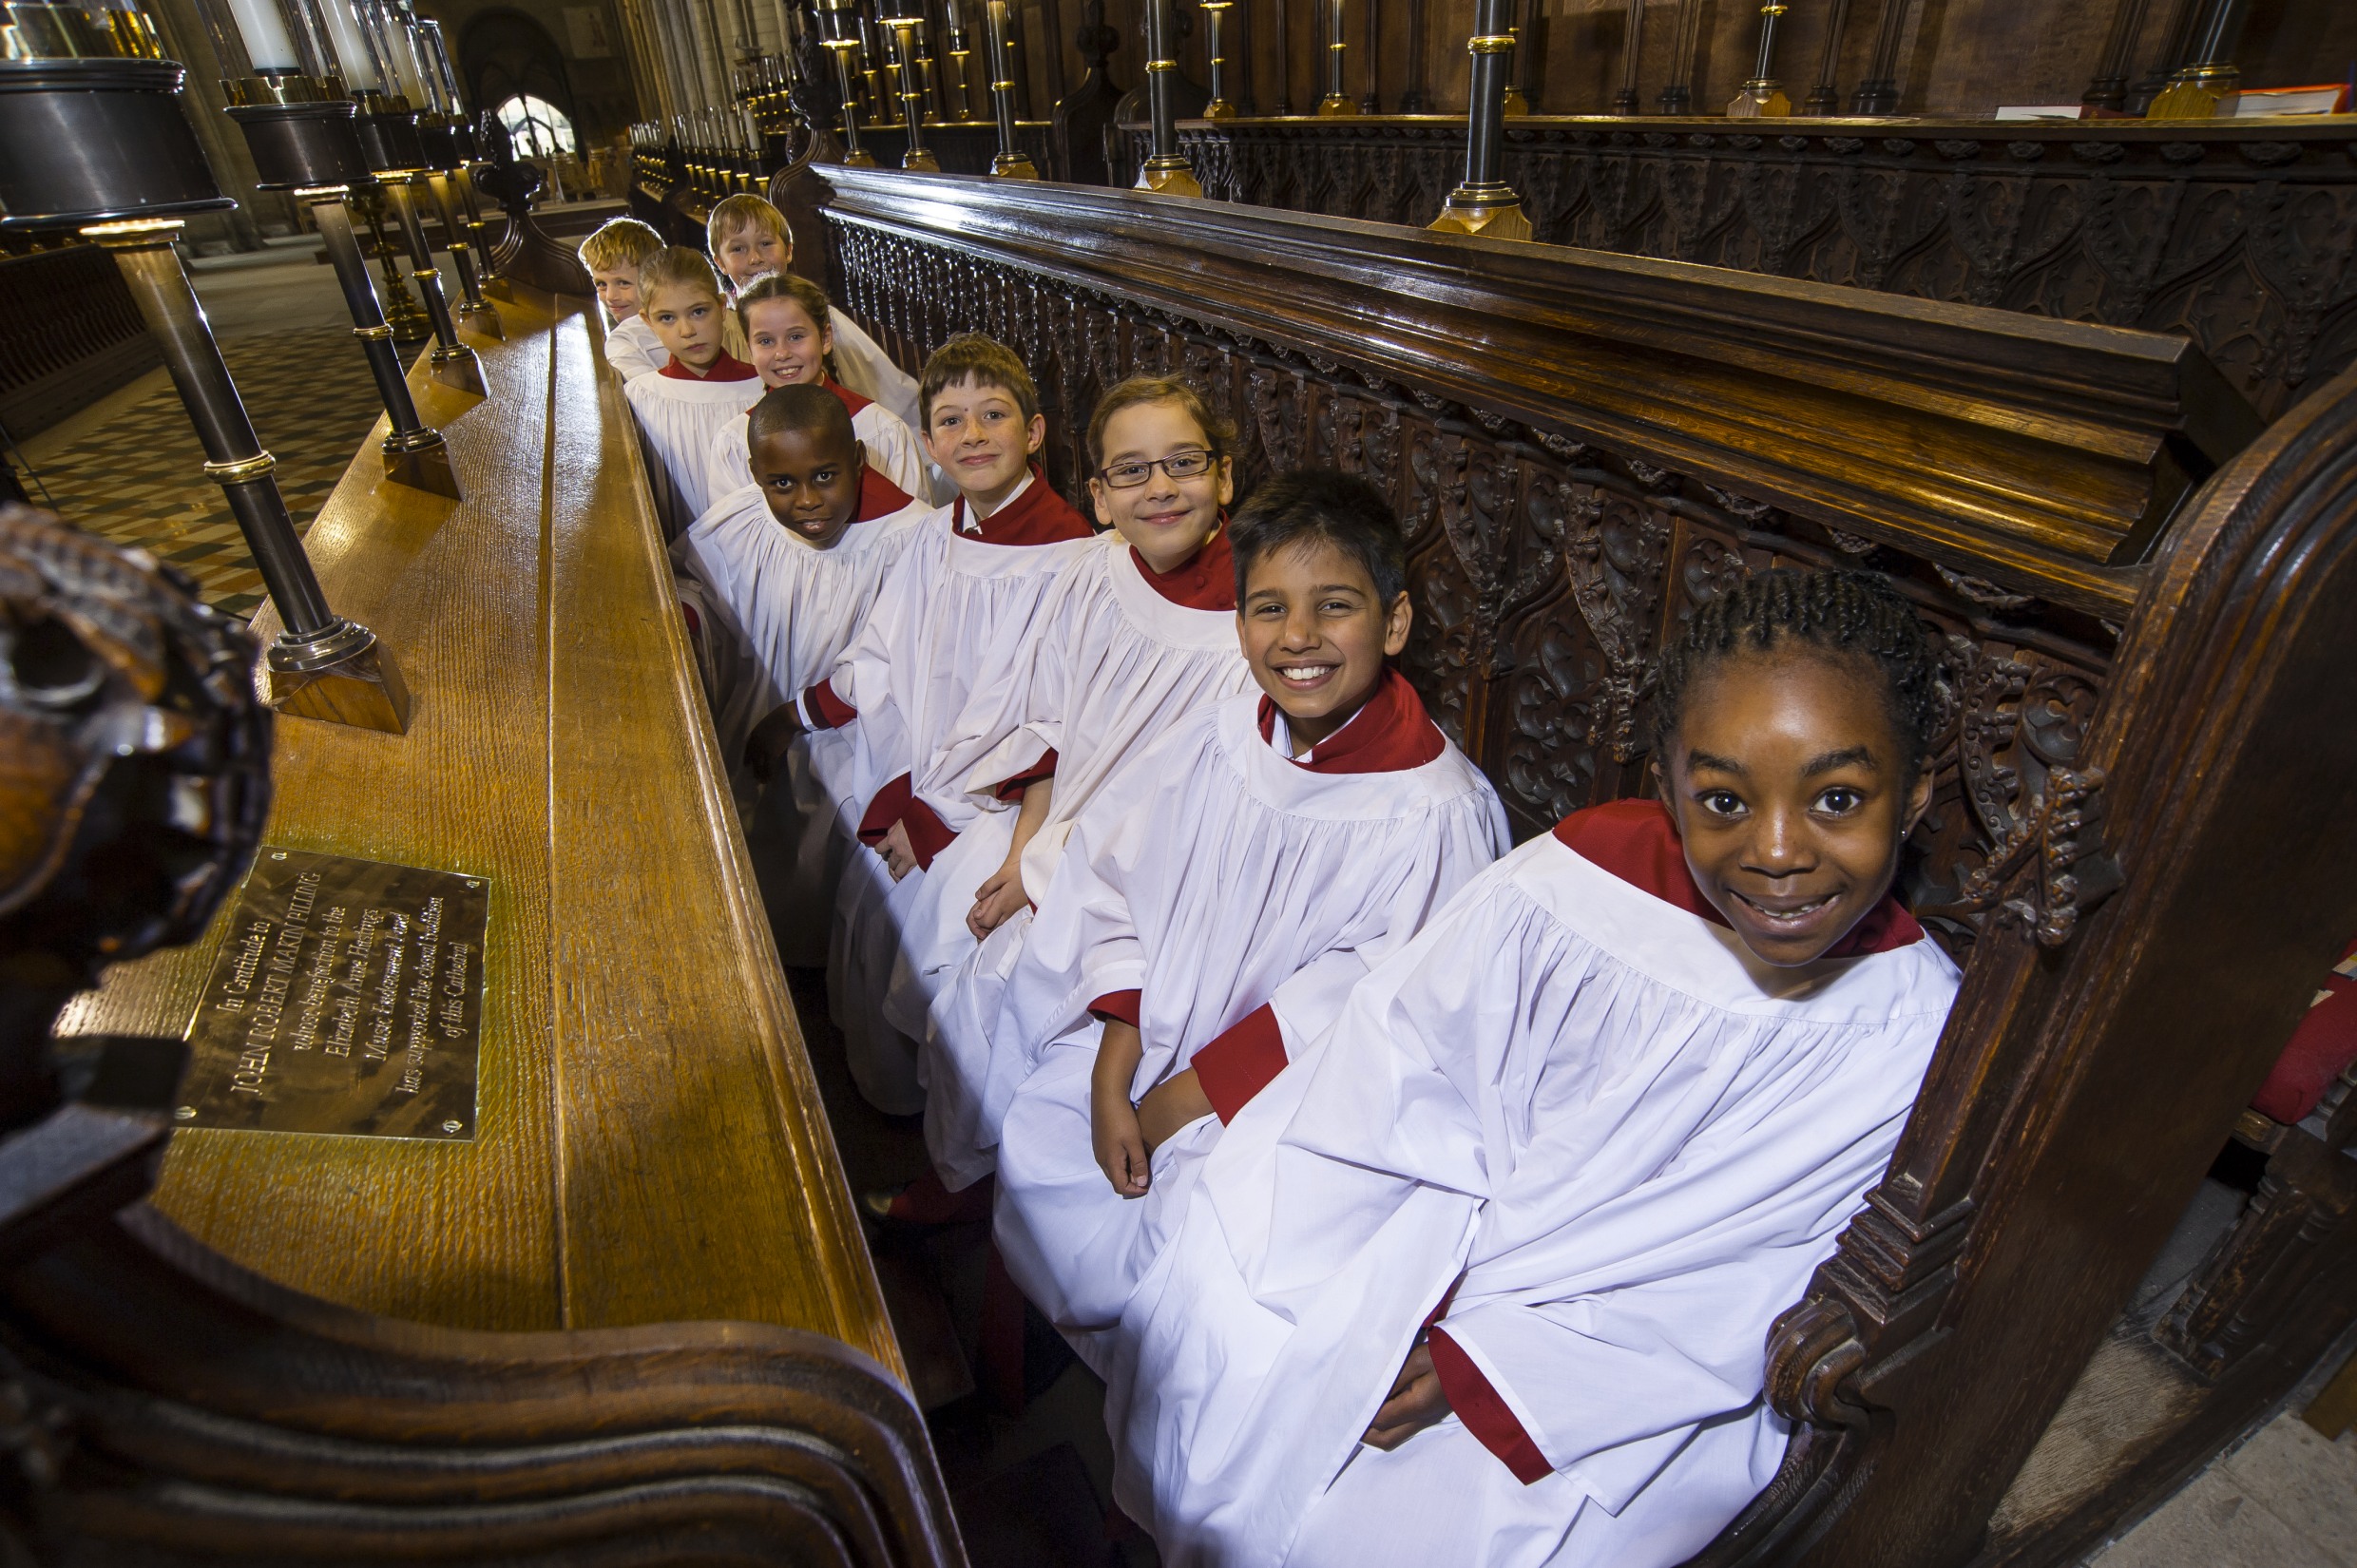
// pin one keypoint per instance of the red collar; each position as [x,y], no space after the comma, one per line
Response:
[1205,581]
[1391,733]
[726,368]
[1038,516]
[852,402]
[1637,841]
[878,497]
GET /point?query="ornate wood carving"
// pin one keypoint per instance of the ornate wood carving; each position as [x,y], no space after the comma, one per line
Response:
[2242,237]
[2083,843]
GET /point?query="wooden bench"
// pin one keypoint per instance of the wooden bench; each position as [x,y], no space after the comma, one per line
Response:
[2136,845]
[634,1311]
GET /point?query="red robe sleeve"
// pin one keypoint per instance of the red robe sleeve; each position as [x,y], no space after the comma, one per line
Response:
[826,710]
[1485,1415]
[1240,1062]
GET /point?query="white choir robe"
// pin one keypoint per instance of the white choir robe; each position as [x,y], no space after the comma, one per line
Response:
[1237,900]
[633,350]
[906,677]
[1109,664]
[1622,1139]
[892,449]
[867,370]
[682,415]
[786,610]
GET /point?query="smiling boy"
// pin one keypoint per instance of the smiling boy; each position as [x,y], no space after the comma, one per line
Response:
[790,566]
[975,571]
[1205,926]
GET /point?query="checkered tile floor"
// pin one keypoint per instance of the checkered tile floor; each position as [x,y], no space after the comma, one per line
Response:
[138,480]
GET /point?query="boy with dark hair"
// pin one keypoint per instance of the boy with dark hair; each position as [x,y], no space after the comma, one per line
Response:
[974,572]
[1269,851]
[788,568]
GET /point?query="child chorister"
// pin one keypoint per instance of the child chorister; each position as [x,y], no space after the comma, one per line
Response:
[1268,852]
[614,254]
[788,343]
[702,389]
[1484,1276]
[1132,639]
[749,239]
[788,568]
[975,571]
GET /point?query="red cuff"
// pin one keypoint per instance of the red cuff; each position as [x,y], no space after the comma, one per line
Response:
[1118,1004]
[897,802]
[826,710]
[928,835]
[1011,788]
[890,805]
[1483,1413]
[1239,1063]
[687,613]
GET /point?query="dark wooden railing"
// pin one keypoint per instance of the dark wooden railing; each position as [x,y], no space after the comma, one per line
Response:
[69,335]
[2240,235]
[2143,879]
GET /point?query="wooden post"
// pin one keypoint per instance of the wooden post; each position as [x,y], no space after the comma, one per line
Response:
[1879,92]
[1825,98]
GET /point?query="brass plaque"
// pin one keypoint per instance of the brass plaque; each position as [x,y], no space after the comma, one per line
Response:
[348,999]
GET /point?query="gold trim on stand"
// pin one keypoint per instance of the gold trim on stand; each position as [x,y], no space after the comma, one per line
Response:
[241,470]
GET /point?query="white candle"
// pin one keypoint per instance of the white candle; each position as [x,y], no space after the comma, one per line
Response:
[352,50]
[267,42]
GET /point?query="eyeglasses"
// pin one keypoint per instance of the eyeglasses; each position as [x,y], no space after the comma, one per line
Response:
[1181,465]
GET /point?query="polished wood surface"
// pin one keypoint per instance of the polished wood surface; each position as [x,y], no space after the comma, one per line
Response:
[652,1146]
[2042,455]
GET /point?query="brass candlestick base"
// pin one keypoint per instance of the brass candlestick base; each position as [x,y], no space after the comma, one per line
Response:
[920,159]
[1493,211]
[1333,104]
[1219,108]
[1760,99]
[344,677]
[421,461]
[457,369]
[1515,102]
[1169,177]
[859,158]
[1014,165]
[2199,92]
[481,319]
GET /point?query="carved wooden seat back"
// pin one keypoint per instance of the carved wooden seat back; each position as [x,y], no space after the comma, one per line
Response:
[1585,449]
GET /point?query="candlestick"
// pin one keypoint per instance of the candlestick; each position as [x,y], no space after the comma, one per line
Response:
[1411,101]
[1763,96]
[1483,203]
[918,157]
[322,666]
[1166,171]
[854,156]
[1214,17]
[1825,98]
[2108,88]
[1012,161]
[2212,79]
[1336,101]
[451,362]
[1625,101]
[1370,101]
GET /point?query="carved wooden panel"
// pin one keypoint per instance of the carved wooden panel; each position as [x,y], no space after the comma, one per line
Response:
[2243,240]
[1546,572]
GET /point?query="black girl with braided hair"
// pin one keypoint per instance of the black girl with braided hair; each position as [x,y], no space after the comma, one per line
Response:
[1483,1274]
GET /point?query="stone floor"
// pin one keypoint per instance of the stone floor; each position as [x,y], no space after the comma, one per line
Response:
[2287,1498]
[129,467]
